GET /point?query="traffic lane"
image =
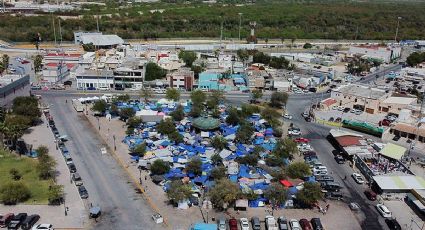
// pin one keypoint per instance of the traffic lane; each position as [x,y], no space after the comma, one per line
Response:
[352,191]
[107,185]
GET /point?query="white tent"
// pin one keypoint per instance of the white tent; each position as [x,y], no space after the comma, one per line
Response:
[224,153]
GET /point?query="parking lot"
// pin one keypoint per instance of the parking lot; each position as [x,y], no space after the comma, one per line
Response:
[76,216]
[334,114]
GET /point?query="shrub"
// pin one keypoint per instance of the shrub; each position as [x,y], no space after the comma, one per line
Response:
[14,192]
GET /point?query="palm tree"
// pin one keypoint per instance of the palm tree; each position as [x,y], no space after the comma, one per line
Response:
[146,94]
[11,133]
[2,68]
[5,60]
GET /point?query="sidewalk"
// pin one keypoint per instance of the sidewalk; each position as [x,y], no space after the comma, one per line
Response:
[55,215]
[338,217]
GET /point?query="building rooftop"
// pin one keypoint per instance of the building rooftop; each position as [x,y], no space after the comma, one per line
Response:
[361,91]
[102,40]
[9,78]
[400,100]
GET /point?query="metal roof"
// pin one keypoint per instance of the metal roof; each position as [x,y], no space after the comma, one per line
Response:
[393,151]
[399,183]
[101,40]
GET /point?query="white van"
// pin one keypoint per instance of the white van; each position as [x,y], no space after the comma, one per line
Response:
[103,88]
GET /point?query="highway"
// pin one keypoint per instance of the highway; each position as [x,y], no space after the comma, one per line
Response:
[107,184]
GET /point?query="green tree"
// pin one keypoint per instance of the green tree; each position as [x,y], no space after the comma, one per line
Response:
[243,55]
[276,194]
[46,164]
[178,191]
[166,126]
[285,148]
[298,170]
[153,72]
[123,98]
[278,99]
[14,192]
[196,110]
[172,94]
[140,149]
[134,122]
[218,142]
[256,94]
[244,133]
[249,159]
[310,194]
[5,61]
[176,137]
[224,193]
[15,174]
[198,97]
[194,166]
[38,60]
[89,47]
[248,109]
[55,194]
[415,58]
[127,113]
[188,57]
[197,69]
[260,57]
[307,46]
[2,68]
[274,161]
[146,94]
[233,117]
[215,98]
[270,114]
[216,159]
[159,167]
[27,106]
[218,172]
[100,106]
[178,114]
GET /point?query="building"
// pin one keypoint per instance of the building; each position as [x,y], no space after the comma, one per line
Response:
[94,79]
[359,97]
[130,73]
[386,54]
[420,44]
[61,57]
[208,81]
[282,85]
[395,104]
[408,130]
[55,72]
[182,78]
[12,86]
[79,34]
[102,41]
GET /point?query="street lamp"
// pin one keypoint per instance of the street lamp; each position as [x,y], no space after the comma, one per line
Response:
[396,31]
[140,174]
[240,25]
[98,123]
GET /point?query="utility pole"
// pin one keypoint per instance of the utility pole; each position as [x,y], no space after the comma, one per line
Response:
[396,31]
[97,23]
[240,25]
[221,32]
[53,24]
[60,32]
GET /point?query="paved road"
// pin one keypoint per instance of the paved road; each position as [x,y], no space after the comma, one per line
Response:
[108,186]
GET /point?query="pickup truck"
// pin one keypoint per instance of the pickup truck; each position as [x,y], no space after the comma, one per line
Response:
[271,223]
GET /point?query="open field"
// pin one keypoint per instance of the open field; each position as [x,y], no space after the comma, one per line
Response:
[26,166]
[275,19]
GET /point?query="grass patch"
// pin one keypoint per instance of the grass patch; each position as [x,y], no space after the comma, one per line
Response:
[27,167]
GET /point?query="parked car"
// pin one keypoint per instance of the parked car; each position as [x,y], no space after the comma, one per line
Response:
[287,116]
[357,178]
[282,223]
[305,224]
[393,224]
[255,222]
[91,88]
[339,159]
[29,221]
[371,195]
[295,225]
[233,224]
[324,178]
[301,140]
[271,223]
[334,195]
[396,138]
[346,110]
[383,210]
[43,227]
[244,224]
[5,219]
[331,186]
[72,168]
[68,159]
[221,224]
[316,224]
[16,221]
[354,206]
[77,179]
[83,192]
[358,112]
[36,87]
[294,132]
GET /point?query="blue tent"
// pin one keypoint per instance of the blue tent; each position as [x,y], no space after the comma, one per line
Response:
[292,190]
[165,143]
[200,179]
[233,178]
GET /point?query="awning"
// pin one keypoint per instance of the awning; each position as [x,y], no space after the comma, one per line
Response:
[393,151]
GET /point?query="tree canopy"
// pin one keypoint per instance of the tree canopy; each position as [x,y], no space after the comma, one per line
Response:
[172,94]
[178,191]
[224,193]
[194,166]
[188,57]
[276,194]
[298,170]
[159,167]
[278,99]
[310,194]
[153,72]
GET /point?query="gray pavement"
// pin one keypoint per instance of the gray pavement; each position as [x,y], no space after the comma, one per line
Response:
[108,186]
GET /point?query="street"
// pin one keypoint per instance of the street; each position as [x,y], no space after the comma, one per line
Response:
[108,186]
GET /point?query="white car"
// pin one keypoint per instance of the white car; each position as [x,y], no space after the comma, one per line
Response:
[244,224]
[357,178]
[383,210]
[42,227]
[295,225]
[294,132]
[287,116]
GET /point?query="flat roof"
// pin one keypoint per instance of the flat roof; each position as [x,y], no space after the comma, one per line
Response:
[9,78]
[407,182]
[361,91]
[102,40]
[393,151]
[400,100]
[340,133]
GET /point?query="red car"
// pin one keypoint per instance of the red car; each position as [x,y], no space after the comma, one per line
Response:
[370,194]
[305,224]
[233,224]
[301,140]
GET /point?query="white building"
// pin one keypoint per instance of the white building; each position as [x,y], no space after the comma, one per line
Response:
[385,53]
[79,34]
[94,79]
[55,72]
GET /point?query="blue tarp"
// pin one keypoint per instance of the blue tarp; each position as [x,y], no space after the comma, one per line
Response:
[292,190]
[244,171]
[233,178]
[255,203]
[200,179]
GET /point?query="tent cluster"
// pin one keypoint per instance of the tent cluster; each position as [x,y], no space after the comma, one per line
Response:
[197,143]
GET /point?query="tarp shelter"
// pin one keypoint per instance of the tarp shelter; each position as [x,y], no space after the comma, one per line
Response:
[224,153]
[162,152]
[393,151]
[286,183]
[241,204]
[183,204]
[203,226]
[206,123]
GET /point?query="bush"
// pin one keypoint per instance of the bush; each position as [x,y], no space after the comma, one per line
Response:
[218,172]
[176,137]
[140,150]
[194,166]
[178,191]
[310,194]
[160,167]
[15,174]
[219,143]
[298,170]
[178,114]
[56,194]
[14,192]
[166,127]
